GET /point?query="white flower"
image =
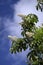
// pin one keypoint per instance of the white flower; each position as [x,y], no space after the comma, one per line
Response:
[13,38]
[21,15]
[29,34]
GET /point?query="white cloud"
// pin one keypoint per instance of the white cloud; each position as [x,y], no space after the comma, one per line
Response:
[10,26]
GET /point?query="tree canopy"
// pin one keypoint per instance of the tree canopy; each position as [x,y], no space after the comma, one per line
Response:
[32,38]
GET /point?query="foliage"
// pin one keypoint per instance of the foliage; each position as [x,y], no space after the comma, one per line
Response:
[39,5]
[32,38]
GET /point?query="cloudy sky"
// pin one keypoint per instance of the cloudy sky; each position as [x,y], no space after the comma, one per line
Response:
[9,9]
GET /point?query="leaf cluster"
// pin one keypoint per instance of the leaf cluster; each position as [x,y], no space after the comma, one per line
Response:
[33,42]
[39,5]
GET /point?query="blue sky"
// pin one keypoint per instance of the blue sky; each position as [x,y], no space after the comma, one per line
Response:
[9,9]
